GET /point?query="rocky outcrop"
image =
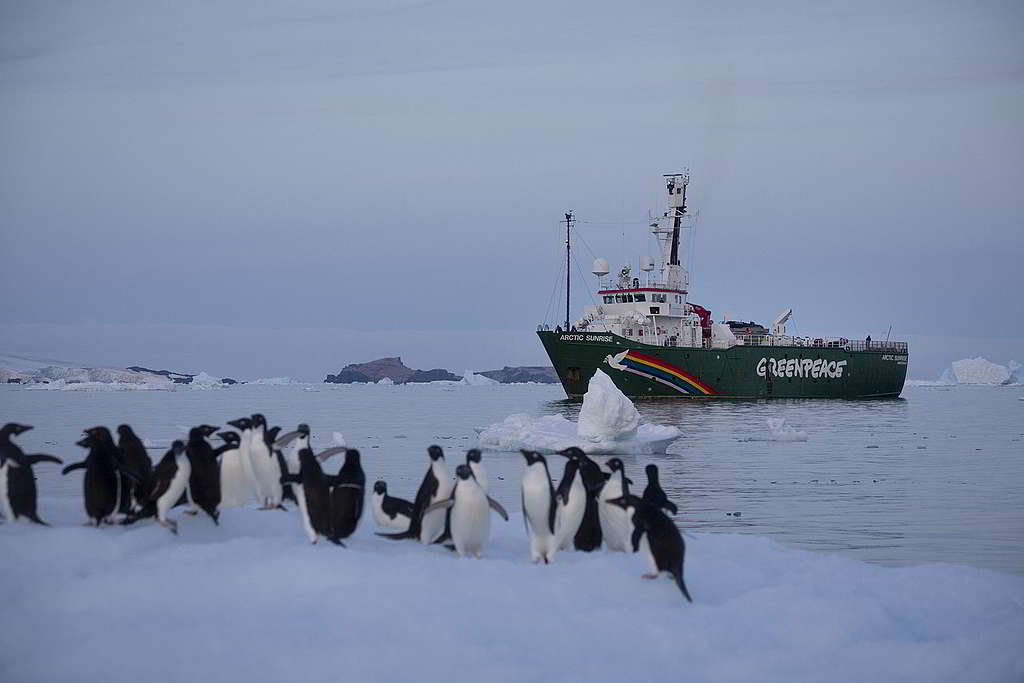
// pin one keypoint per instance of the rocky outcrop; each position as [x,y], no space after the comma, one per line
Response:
[391,368]
[177,377]
[524,373]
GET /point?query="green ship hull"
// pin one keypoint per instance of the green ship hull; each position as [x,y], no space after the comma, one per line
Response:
[852,370]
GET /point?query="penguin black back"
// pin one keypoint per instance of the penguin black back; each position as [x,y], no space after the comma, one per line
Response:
[347,493]
[654,494]
[20,488]
[134,459]
[204,480]
[664,541]
[101,479]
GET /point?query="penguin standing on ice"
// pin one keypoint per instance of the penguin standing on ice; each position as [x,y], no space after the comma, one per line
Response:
[571,498]
[237,481]
[204,479]
[665,547]
[101,482]
[390,512]
[471,518]
[265,466]
[539,508]
[654,494]
[170,479]
[588,536]
[287,447]
[136,460]
[316,494]
[347,493]
[436,486]
[615,523]
[475,462]
[17,481]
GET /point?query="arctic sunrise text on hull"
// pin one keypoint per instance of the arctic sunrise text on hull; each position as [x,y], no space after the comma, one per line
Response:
[652,342]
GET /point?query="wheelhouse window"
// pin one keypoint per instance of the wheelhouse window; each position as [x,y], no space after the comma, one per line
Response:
[639,297]
[609,299]
[655,310]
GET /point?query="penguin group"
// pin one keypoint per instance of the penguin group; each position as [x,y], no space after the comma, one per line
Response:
[591,505]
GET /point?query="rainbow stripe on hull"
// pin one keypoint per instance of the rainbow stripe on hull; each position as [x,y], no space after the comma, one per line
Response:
[659,371]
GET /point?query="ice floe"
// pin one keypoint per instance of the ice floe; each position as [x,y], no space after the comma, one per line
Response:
[608,423]
[471,378]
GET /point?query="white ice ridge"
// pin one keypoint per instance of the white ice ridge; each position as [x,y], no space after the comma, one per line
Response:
[255,587]
[981,371]
[608,423]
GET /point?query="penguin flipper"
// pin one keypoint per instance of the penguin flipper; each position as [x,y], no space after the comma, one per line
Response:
[42,457]
[72,468]
[496,506]
[440,505]
[671,507]
[635,539]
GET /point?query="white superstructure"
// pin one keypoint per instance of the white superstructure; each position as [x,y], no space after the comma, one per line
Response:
[651,306]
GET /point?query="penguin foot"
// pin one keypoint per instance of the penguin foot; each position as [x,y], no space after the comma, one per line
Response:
[649,576]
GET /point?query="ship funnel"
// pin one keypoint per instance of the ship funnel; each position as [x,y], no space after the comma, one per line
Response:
[647,264]
[600,267]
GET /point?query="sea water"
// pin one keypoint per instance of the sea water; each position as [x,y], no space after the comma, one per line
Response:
[932,477]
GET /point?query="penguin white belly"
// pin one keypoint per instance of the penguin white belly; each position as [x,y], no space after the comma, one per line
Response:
[614,520]
[267,471]
[480,474]
[399,523]
[536,502]
[432,525]
[6,511]
[177,486]
[471,520]
[307,524]
[234,489]
[569,517]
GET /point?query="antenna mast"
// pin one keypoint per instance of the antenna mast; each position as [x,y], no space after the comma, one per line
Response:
[569,220]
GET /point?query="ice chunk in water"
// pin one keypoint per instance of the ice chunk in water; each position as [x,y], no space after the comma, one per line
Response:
[607,413]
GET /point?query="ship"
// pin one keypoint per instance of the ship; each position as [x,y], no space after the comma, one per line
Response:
[653,342]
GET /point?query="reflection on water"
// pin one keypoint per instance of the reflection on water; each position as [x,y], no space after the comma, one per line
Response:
[932,478]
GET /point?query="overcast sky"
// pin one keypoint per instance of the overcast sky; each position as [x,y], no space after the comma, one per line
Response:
[258,188]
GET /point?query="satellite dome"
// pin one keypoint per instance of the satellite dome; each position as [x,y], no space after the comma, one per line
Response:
[647,264]
[600,267]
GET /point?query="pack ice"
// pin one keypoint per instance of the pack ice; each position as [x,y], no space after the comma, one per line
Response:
[608,423]
[981,371]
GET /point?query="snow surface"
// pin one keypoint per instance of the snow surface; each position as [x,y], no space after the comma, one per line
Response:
[608,423]
[273,381]
[472,379]
[252,600]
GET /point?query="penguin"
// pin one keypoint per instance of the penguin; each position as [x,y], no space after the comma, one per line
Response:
[347,493]
[474,461]
[315,491]
[17,481]
[665,547]
[136,460]
[102,481]
[265,466]
[588,536]
[654,494]
[170,479]
[436,486]
[390,512]
[539,508]
[616,526]
[204,479]
[470,519]
[287,448]
[237,480]
[272,437]
[571,498]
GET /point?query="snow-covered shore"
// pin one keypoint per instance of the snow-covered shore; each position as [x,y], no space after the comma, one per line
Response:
[251,600]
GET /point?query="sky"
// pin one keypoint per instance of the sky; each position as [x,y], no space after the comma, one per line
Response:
[262,189]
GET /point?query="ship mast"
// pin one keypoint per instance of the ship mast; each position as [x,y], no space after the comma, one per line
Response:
[569,220]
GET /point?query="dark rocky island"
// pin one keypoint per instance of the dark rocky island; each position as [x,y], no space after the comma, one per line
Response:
[390,368]
[396,371]
[176,377]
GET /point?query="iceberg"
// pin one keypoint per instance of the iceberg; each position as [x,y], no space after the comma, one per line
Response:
[608,423]
[978,371]
[474,380]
